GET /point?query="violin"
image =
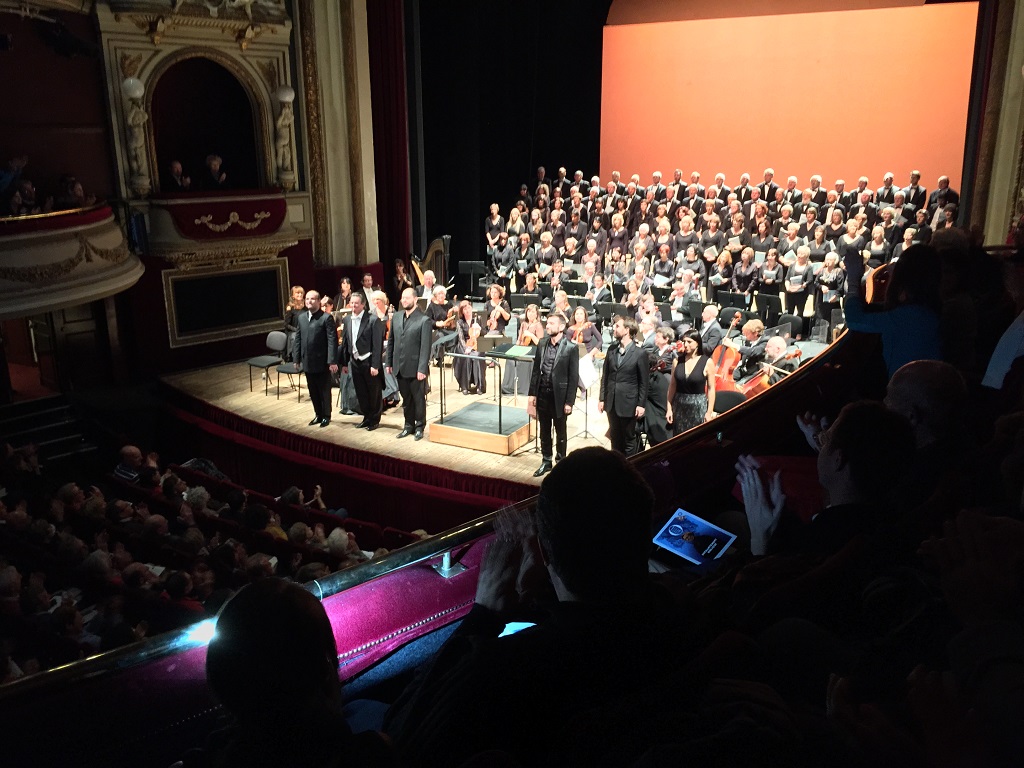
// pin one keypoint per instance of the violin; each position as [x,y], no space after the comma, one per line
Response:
[474,334]
[449,322]
[492,320]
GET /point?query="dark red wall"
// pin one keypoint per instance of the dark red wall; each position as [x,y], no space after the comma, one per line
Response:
[55,106]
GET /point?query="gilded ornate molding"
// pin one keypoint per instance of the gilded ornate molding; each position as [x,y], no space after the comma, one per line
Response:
[129,63]
[233,218]
[86,252]
[314,132]
[228,254]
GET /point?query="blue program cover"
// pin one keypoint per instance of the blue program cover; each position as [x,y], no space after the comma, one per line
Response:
[694,538]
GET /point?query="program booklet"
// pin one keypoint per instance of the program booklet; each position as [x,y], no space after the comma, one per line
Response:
[694,538]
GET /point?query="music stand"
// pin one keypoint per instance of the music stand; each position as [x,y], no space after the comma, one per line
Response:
[474,269]
[586,402]
[731,299]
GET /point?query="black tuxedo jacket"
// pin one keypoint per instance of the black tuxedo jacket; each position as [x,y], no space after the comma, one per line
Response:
[768,190]
[887,196]
[742,193]
[659,191]
[624,380]
[370,339]
[819,197]
[564,375]
[847,199]
[918,197]
[409,347]
[602,295]
[315,346]
[870,209]
[711,337]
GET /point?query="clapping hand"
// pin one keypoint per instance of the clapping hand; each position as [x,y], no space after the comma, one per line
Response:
[762,505]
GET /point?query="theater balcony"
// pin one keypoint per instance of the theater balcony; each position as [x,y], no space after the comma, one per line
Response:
[210,227]
[63,259]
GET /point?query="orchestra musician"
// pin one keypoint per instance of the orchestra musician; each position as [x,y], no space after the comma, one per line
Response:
[470,374]
[751,349]
[553,389]
[384,310]
[661,358]
[497,310]
[441,315]
[777,364]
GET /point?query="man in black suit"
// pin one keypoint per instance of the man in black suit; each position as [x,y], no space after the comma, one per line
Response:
[362,349]
[314,351]
[542,178]
[914,193]
[844,198]
[742,191]
[695,179]
[791,195]
[942,196]
[556,372]
[657,186]
[817,191]
[693,201]
[886,193]
[561,182]
[624,383]
[409,360]
[710,330]
[768,187]
[582,185]
[866,207]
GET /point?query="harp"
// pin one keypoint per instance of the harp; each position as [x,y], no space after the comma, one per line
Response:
[435,260]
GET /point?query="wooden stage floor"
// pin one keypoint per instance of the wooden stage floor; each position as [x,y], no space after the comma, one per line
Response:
[227,387]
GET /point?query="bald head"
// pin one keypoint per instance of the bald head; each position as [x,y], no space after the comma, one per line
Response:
[932,395]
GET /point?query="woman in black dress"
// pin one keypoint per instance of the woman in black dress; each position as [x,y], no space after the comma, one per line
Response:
[830,286]
[835,228]
[719,276]
[685,237]
[516,226]
[618,237]
[737,237]
[691,390]
[497,310]
[850,243]
[744,274]
[762,241]
[693,262]
[704,219]
[819,246]
[909,235]
[771,274]
[493,226]
[877,248]
[470,374]
[712,237]
[598,234]
[798,281]
[296,306]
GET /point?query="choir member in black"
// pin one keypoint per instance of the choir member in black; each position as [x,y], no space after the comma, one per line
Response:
[661,357]
[516,226]
[835,227]
[618,236]
[691,388]
[709,213]
[719,276]
[493,226]
[296,306]
[556,228]
[744,275]
[665,267]
[712,238]
[850,243]
[877,248]
[503,262]
[598,234]
[663,236]
[471,375]
[685,235]
[762,241]
[577,228]
[789,243]
[909,238]
[771,274]
[892,230]
[782,224]
[811,223]
[535,228]
[547,254]
[750,348]
[819,245]
[798,282]
[868,208]
[693,262]
[737,237]
[923,232]
[829,288]
[525,253]
[496,310]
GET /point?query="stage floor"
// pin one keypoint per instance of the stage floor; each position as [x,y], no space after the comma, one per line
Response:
[227,387]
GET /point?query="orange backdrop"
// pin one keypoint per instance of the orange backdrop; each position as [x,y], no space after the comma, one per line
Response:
[841,94]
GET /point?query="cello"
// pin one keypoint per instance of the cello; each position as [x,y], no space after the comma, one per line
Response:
[761,381]
[725,359]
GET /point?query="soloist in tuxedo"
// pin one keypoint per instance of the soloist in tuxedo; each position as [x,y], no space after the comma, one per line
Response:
[556,371]
[362,349]
[409,360]
[314,351]
[624,383]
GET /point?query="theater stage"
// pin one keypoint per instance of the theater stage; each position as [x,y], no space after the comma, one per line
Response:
[221,395]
